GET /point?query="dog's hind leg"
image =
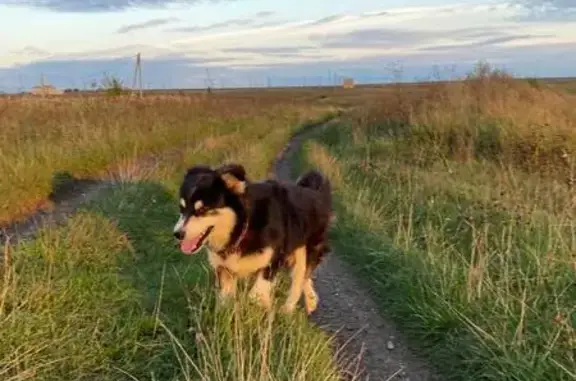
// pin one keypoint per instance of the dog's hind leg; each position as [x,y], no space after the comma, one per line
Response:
[297,284]
[310,296]
[315,254]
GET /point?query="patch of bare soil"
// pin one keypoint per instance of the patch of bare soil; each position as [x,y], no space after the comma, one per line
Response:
[347,311]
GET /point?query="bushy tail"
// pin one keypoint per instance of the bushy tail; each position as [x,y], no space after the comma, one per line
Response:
[313,179]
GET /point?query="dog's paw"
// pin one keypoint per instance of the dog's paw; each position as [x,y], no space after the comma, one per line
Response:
[224,299]
[261,299]
[287,309]
[311,302]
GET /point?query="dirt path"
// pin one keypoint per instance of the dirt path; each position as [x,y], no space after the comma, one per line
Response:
[64,205]
[348,311]
[76,193]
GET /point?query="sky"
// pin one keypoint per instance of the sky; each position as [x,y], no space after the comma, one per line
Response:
[236,43]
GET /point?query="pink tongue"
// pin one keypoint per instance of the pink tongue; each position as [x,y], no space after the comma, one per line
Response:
[188,246]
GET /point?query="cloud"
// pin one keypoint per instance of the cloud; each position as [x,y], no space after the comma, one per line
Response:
[264,14]
[483,43]
[407,38]
[374,14]
[560,4]
[327,20]
[97,5]
[547,10]
[147,24]
[226,23]
[124,51]
[30,51]
[267,49]
[371,38]
[299,53]
[218,25]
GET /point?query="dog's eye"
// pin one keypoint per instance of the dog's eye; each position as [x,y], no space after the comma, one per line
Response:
[203,210]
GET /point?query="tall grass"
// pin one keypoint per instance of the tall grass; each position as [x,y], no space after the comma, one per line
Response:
[108,296]
[457,209]
[89,137]
[488,116]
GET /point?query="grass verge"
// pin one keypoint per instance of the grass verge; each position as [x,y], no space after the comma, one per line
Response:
[109,297]
[472,250]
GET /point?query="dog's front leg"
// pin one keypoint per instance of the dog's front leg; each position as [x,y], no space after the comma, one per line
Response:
[227,282]
[262,289]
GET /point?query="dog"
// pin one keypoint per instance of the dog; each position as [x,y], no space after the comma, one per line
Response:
[256,229]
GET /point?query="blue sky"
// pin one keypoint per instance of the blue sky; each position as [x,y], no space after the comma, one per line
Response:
[256,42]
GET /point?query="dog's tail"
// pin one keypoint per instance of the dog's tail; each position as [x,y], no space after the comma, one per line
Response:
[315,180]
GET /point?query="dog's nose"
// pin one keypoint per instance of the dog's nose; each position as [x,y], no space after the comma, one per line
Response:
[179,234]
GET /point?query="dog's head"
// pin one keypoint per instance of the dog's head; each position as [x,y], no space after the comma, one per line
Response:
[209,206]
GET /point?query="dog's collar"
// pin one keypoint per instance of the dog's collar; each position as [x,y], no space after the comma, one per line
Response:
[234,248]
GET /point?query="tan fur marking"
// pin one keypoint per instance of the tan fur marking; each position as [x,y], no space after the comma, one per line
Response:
[232,183]
[198,204]
[242,266]
[262,291]
[183,202]
[310,296]
[223,226]
[222,223]
[298,273]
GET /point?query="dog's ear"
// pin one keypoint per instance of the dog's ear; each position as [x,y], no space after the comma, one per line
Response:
[236,170]
[234,176]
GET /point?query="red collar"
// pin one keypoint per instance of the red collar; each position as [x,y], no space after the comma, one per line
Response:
[236,247]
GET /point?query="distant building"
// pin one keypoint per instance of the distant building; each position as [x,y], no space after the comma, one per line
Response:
[44,90]
[348,83]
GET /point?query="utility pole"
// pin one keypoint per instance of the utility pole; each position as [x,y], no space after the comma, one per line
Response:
[138,74]
[209,82]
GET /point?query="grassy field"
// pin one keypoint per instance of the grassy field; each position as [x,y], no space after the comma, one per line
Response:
[458,208]
[455,203]
[91,137]
[108,296]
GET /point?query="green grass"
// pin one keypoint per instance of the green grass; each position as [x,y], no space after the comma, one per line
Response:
[473,255]
[108,296]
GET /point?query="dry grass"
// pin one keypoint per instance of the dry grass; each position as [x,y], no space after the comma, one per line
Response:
[456,207]
[489,116]
[87,137]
